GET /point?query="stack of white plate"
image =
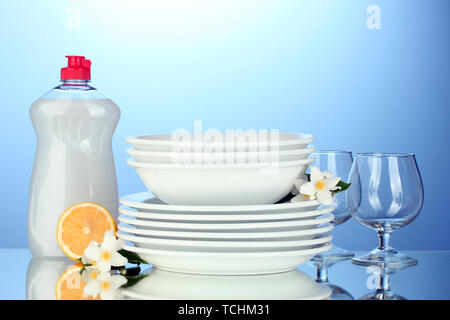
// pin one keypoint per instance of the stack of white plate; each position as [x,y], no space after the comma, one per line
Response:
[237,240]
[213,206]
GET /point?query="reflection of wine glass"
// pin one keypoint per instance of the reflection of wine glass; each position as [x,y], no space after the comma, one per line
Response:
[386,194]
[339,163]
[383,290]
[337,293]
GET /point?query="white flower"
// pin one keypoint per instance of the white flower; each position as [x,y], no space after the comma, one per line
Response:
[103,284]
[320,186]
[105,255]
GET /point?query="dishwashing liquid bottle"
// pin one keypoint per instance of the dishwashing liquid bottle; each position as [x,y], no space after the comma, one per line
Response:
[74,163]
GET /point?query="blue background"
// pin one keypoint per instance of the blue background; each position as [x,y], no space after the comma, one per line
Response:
[303,66]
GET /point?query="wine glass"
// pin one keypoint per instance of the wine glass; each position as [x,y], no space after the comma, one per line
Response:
[339,163]
[337,293]
[386,194]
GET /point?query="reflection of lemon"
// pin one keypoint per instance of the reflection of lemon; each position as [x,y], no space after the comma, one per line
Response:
[81,224]
[70,285]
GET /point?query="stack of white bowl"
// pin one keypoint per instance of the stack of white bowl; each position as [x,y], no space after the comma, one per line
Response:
[213,206]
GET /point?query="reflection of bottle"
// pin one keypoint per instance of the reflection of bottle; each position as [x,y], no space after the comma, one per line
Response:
[42,275]
[74,124]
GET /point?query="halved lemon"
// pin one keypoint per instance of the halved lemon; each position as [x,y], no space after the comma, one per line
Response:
[70,285]
[81,224]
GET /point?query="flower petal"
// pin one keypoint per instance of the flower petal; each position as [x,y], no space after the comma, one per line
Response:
[117,281]
[331,183]
[299,198]
[109,241]
[92,288]
[119,244]
[104,266]
[104,276]
[93,252]
[299,182]
[308,188]
[315,174]
[327,174]
[117,260]
[325,197]
[109,294]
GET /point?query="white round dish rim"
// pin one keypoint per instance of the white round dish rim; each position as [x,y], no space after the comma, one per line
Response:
[217,217]
[327,227]
[225,244]
[288,253]
[163,154]
[234,166]
[301,138]
[229,226]
[183,208]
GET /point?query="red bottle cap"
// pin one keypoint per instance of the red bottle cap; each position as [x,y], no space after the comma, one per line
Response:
[78,68]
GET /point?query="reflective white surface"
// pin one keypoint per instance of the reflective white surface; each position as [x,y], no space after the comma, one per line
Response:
[280,286]
[428,280]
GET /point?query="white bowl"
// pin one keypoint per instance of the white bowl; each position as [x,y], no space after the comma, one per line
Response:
[241,142]
[218,158]
[146,202]
[228,263]
[226,184]
[223,245]
[293,285]
[236,235]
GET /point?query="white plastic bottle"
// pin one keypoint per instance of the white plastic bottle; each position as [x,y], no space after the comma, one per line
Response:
[74,162]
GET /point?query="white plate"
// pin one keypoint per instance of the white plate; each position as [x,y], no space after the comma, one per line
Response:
[170,142]
[227,263]
[236,235]
[218,217]
[145,201]
[205,158]
[213,227]
[220,184]
[178,244]
[292,285]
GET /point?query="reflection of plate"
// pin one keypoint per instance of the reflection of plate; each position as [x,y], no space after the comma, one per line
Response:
[292,285]
[228,263]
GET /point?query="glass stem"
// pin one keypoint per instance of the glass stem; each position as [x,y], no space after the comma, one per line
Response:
[385,282]
[384,239]
[322,274]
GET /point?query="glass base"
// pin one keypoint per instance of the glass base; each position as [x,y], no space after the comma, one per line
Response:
[332,256]
[382,295]
[388,258]
[338,293]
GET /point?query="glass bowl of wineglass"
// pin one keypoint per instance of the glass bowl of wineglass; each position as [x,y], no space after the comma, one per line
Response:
[339,163]
[386,194]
